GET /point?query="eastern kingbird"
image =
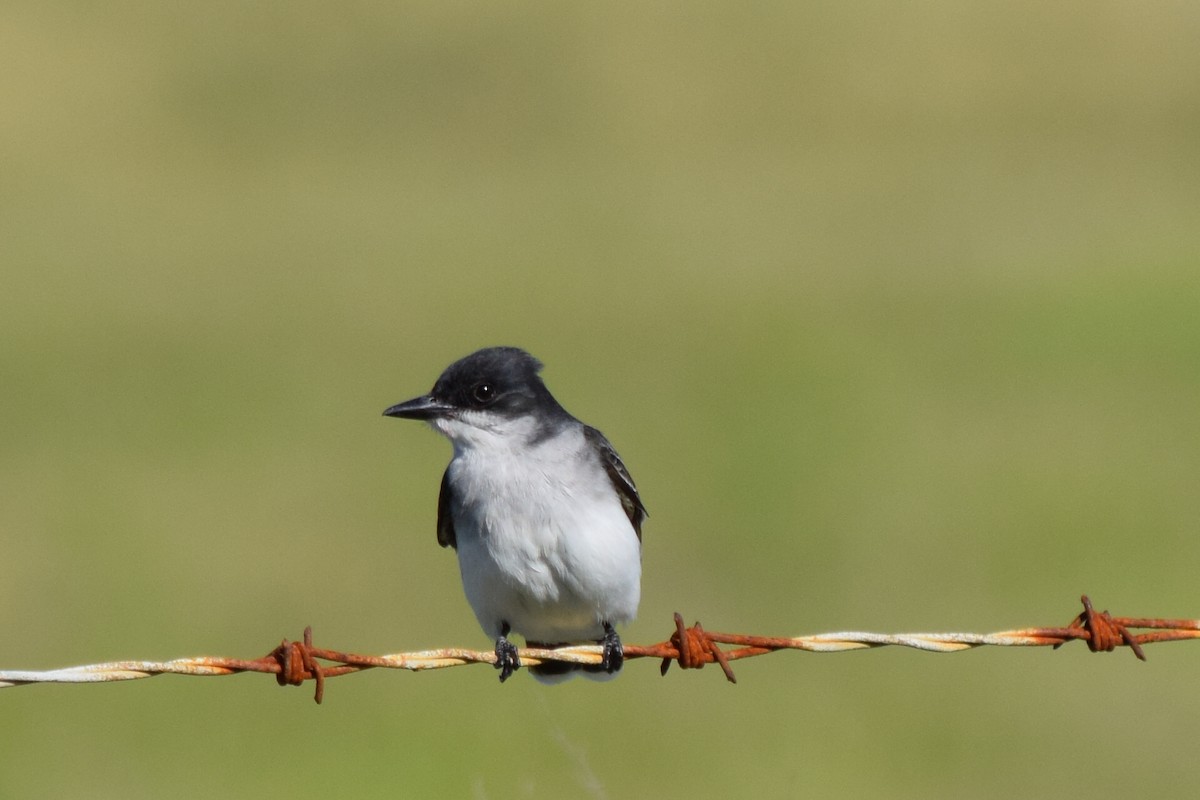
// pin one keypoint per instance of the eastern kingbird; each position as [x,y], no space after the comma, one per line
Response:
[544,516]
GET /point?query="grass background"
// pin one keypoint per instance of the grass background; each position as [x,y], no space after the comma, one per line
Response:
[892,309]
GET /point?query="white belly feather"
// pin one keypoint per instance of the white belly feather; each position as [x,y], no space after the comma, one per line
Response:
[546,549]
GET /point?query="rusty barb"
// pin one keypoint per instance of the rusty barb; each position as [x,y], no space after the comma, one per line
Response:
[294,663]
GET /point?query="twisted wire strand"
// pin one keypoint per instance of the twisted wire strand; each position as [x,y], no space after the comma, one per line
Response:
[293,663]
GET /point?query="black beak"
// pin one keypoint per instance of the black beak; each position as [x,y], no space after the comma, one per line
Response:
[424,407]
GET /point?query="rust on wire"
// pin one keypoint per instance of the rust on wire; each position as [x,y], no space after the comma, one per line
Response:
[1104,632]
[294,663]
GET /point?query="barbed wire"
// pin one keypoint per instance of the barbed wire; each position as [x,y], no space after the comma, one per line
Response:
[293,663]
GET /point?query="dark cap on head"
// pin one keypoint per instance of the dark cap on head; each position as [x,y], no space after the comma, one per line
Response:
[500,379]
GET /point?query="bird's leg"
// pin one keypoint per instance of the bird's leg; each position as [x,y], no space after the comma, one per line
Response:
[614,654]
[507,660]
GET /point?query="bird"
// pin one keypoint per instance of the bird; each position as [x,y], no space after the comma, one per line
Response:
[543,514]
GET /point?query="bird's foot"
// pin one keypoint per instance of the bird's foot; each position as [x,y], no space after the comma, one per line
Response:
[614,655]
[507,660]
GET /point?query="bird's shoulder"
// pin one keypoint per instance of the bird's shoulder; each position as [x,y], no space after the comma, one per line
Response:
[622,481]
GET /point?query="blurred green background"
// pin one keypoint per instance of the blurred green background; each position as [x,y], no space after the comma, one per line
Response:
[892,309]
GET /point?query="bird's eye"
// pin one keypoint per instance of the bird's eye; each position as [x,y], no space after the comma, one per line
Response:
[483,392]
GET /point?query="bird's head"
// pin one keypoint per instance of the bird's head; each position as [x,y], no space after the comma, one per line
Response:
[493,396]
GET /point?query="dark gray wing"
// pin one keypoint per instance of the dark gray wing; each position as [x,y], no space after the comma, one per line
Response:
[445,525]
[621,481]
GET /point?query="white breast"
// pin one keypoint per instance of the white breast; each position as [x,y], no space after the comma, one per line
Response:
[543,542]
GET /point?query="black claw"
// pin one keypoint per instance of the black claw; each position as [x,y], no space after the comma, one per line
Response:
[507,660]
[614,655]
